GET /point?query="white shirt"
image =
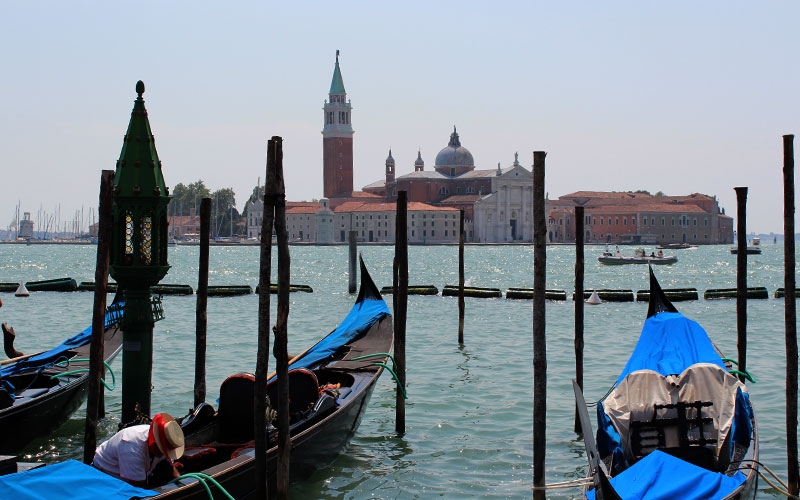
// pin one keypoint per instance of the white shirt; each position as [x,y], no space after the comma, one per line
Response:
[126,455]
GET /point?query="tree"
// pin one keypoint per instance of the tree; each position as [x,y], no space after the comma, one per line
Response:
[185,198]
[224,215]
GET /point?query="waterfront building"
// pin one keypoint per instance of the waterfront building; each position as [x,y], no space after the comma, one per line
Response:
[373,222]
[640,218]
[184,226]
[505,214]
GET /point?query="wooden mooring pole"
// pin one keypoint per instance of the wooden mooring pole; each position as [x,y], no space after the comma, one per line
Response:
[461,279]
[352,261]
[539,344]
[95,406]
[400,307]
[741,277]
[262,356]
[201,313]
[579,304]
[280,347]
[790,313]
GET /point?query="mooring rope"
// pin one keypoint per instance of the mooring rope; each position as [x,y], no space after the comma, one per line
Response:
[574,483]
[202,479]
[84,370]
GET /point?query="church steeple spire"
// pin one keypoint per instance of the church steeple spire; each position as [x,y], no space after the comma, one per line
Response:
[337,84]
[337,140]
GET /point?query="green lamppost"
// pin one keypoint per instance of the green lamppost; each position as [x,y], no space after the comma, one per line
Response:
[138,253]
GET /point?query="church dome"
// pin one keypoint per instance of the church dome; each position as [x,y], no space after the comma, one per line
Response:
[454,155]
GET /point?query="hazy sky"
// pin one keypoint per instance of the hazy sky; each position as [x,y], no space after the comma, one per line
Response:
[679,96]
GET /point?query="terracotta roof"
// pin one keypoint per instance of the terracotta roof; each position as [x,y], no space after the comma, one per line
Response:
[657,207]
[606,195]
[304,209]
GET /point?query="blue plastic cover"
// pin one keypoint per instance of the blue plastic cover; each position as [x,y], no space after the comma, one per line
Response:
[669,343]
[360,318]
[71,480]
[49,357]
[660,476]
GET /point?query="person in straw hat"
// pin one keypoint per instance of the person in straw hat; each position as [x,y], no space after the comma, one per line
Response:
[134,453]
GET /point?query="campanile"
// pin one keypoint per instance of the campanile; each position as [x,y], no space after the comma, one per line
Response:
[337,140]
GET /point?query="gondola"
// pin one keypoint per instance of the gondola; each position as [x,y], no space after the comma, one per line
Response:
[677,423]
[329,388]
[39,393]
[330,385]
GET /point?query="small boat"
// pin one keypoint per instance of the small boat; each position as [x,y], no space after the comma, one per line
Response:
[676,246]
[39,392]
[639,257]
[754,249]
[678,422]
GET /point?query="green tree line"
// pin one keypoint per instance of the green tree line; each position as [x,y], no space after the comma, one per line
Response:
[225,217]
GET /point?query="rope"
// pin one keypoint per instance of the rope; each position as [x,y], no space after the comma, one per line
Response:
[743,373]
[202,478]
[575,483]
[782,489]
[396,379]
[389,369]
[85,370]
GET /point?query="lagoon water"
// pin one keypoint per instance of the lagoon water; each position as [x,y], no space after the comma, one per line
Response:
[469,416]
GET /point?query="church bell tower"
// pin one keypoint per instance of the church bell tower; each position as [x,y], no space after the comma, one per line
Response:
[337,140]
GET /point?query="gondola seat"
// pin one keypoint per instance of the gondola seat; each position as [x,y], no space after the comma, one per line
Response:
[303,393]
[235,410]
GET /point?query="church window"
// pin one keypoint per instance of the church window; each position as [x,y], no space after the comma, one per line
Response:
[452,172]
[616,221]
[433,233]
[624,221]
[443,190]
[412,232]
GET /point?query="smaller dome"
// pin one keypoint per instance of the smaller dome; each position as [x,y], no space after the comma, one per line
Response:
[419,159]
[389,159]
[454,155]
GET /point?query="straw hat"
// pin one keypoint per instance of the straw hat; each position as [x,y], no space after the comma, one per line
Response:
[168,436]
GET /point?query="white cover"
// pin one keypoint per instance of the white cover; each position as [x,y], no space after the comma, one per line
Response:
[634,397]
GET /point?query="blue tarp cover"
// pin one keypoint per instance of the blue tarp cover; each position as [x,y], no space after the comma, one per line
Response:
[670,343]
[71,480]
[360,318]
[49,357]
[660,476]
